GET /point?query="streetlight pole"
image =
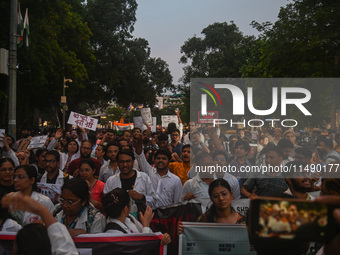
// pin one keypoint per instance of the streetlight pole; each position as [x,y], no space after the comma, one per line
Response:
[12,95]
[63,100]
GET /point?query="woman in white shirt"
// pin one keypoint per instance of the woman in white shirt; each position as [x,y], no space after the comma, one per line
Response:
[117,207]
[25,182]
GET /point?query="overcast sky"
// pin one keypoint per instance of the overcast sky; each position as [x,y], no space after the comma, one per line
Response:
[167,24]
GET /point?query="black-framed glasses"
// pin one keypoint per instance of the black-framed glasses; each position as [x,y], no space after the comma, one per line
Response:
[67,202]
[51,161]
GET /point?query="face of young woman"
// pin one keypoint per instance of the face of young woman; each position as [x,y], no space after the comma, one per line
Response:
[22,181]
[99,152]
[6,171]
[221,197]
[72,147]
[86,172]
[72,204]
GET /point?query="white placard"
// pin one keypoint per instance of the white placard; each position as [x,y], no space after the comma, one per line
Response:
[37,142]
[153,127]
[2,132]
[166,119]
[146,115]
[82,121]
[138,122]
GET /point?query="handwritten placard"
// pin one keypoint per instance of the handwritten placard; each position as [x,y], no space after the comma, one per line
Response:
[82,121]
[146,115]
[2,132]
[166,119]
[37,142]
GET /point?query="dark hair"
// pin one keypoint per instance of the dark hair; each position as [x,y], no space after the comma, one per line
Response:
[285,143]
[39,152]
[186,146]
[55,154]
[88,161]
[306,152]
[136,129]
[328,142]
[115,201]
[214,184]
[165,152]
[31,173]
[125,152]
[3,160]
[68,142]
[33,239]
[112,144]
[274,148]
[218,182]
[79,188]
[103,147]
[216,153]
[175,130]
[162,137]
[245,145]
[200,155]
[86,141]
[171,127]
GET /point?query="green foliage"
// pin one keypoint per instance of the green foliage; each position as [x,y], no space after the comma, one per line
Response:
[219,54]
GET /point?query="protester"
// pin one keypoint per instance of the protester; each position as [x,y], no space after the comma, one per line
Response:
[136,183]
[87,170]
[71,153]
[53,174]
[182,167]
[6,175]
[85,152]
[117,207]
[33,238]
[111,168]
[75,210]
[25,182]
[100,154]
[166,185]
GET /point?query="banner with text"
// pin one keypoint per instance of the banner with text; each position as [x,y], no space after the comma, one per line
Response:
[82,121]
[214,238]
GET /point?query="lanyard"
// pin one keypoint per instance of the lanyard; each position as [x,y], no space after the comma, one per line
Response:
[74,223]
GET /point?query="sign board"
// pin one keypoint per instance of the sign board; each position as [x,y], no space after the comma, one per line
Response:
[82,121]
[138,122]
[214,238]
[166,119]
[37,142]
[50,190]
[2,132]
[146,115]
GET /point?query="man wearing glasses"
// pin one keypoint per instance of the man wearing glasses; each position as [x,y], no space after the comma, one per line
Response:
[85,152]
[53,174]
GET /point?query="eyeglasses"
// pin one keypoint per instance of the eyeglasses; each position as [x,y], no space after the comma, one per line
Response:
[218,195]
[10,169]
[51,161]
[67,202]
[20,176]
[125,161]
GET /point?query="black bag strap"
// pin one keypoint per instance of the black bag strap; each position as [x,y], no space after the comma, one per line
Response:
[115,226]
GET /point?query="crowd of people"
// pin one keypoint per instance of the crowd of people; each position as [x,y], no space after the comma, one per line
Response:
[112,181]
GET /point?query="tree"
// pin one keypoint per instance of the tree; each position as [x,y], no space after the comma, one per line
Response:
[220,53]
[125,69]
[303,42]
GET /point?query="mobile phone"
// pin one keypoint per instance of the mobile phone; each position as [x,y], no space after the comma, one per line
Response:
[291,219]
